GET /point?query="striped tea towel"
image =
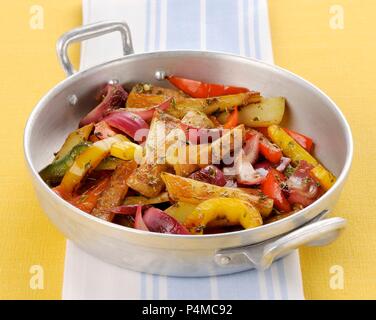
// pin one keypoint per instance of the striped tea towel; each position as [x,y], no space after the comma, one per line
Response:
[236,26]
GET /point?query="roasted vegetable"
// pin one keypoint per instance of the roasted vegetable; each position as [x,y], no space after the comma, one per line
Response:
[109,163]
[88,200]
[180,210]
[146,179]
[210,174]
[103,130]
[158,221]
[273,187]
[297,153]
[116,191]
[302,188]
[289,146]
[87,161]
[78,136]
[199,89]
[229,211]
[232,119]
[181,105]
[113,96]
[148,113]
[197,119]
[269,150]
[140,200]
[213,105]
[323,176]
[263,113]
[129,123]
[234,166]
[304,141]
[126,150]
[192,191]
[54,173]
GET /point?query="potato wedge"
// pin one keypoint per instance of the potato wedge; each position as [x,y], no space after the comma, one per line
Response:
[181,105]
[197,119]
[212,105]
[133,200]
[196,156]
[188,190]
[146,179]
[268,112]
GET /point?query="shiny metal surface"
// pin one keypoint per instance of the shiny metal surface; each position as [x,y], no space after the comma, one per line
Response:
[88,32]
[264,254]
[309,111]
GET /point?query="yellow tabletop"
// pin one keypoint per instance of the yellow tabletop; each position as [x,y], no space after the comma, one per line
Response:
[310,37]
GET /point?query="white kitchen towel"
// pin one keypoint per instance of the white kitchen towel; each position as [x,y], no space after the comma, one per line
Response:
[236,26]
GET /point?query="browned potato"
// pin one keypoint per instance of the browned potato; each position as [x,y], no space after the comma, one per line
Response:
[205,153]
[197,119]
[146,179]
[267,112]
[192,191]
[212,105]
[181,105]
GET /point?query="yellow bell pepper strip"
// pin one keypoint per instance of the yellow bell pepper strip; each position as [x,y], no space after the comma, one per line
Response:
[296,152]
[233,211]
[126,150]
[289,146]
[88,161]
[323,176]
[76,137]
[54,172]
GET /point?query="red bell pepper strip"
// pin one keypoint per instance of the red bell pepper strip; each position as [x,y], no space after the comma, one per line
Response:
[198,89]
[304,141]
[273,189]
[87,201]
[269,150]
[233,119]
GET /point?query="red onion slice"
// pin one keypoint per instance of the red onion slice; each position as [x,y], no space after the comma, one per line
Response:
[210,174]
[126,122]
[114,97]
[251,148]
[139,221]
[158,221]
[283,164]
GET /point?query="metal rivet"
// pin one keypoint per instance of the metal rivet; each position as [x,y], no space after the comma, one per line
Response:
[160,75]
[224,260]
[73,99]
[113,81]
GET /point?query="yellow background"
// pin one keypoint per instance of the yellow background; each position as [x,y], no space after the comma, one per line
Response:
[341,62]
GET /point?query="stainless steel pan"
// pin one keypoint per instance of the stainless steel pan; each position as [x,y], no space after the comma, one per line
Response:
[309,111]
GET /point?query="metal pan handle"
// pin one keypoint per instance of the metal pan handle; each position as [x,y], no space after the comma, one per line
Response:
[262,255]
[88,32]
